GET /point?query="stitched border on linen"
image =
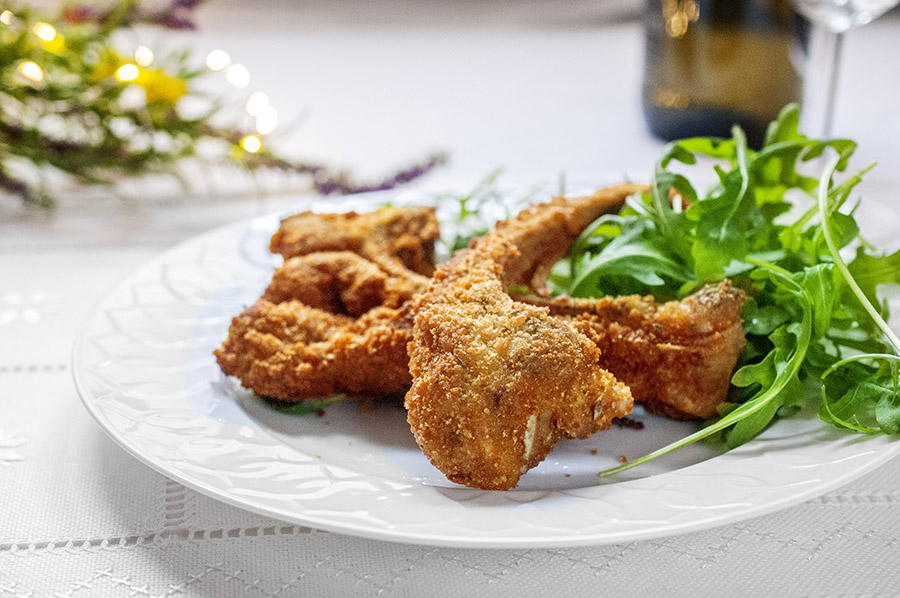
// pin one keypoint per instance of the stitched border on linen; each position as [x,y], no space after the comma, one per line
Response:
[154,539]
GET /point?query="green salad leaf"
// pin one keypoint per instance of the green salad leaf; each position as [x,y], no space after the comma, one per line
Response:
[314,407]
[811,318]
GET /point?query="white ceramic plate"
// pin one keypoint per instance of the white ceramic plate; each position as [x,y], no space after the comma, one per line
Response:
[144,367]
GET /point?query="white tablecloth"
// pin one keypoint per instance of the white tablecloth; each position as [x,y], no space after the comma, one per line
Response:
[537,95]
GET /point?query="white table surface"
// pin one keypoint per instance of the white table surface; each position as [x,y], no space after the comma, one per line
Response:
[535,88]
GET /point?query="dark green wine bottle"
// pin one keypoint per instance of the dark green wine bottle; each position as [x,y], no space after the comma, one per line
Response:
[712,63]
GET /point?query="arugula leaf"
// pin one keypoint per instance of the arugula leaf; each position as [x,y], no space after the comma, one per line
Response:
[869,271]
[823,200]
[302,407]
[780,232]
[887,409]
[819,281]
[763,320]
[633,254]
[469,222]
[724,217]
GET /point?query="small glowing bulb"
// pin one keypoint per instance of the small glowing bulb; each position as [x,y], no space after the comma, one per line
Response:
[251,143]
[143,56]
[266,120]
[218,60]
[257,102]
[127,72]
[45,31]
[31,71]
[238,75]
[6,17]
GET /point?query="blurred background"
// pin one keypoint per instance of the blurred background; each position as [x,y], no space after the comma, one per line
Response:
[542,90]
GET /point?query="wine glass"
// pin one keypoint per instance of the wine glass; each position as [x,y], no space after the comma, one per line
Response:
[830,19]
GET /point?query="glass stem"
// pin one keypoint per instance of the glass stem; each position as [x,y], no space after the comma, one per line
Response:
[820,89]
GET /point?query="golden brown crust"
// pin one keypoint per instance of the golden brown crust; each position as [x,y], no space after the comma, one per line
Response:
[543,233]
[497,383]
[341,282]
[390,237]
[677,357]
[291,352]
[335,319]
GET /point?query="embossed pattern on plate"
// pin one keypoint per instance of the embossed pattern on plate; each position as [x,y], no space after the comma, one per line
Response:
[143,365]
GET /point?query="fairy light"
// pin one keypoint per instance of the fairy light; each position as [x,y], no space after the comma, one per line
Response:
[30,70]
[6,17]
[218,60]
[238,75]
[256,103]
[45,31]
[127,72]
[266,120]
[251,143]
[143,56]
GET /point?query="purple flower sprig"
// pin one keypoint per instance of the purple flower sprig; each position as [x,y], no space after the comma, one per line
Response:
[329,184]
[176,15]
[329,181]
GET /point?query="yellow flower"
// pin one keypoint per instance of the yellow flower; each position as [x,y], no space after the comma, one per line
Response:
[55,45]
[107,65]
[157,84]
[160,86]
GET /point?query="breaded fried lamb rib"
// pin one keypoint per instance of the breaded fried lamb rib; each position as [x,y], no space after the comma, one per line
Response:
[677,357]
[396,239]
[335,319]
[291,352]
[542,234]
[341,282]
[496,382]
